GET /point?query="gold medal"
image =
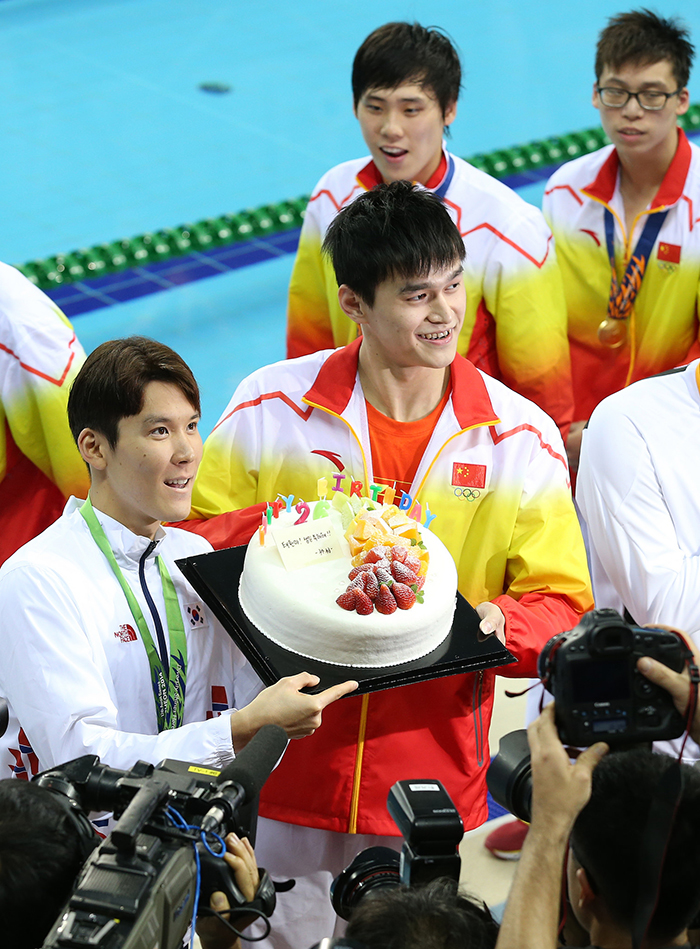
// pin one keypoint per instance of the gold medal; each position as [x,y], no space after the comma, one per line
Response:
[612,333]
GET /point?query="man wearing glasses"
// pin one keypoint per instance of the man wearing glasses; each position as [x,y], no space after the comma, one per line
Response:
[624,218]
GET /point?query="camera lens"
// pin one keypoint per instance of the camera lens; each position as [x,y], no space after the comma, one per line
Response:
[373,869]
[509,777]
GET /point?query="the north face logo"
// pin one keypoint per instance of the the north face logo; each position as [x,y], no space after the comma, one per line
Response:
[125,634]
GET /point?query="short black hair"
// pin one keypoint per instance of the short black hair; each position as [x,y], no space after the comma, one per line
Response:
[432,916]
[608,835]
[643,38]
[394,230]
[112,382]
[40,857]
[408,52]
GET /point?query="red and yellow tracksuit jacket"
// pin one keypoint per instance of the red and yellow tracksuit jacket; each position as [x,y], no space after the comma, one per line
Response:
[509,523]
[39,464]
[515,323]
[664,321]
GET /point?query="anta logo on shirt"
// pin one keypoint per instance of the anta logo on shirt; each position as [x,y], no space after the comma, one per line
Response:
[125,634]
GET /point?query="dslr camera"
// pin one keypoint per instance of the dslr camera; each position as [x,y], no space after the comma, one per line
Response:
[431,829]
[599,695]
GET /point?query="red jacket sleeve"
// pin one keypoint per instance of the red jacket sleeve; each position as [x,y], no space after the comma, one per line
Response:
[227,530]
[531,621]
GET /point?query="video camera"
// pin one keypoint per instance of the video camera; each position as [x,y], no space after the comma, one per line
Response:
[143,885]
[432,830]
[599,695]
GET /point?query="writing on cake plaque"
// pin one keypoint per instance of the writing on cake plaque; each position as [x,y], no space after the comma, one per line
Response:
[302,545]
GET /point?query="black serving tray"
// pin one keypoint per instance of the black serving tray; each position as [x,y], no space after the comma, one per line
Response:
[215,577]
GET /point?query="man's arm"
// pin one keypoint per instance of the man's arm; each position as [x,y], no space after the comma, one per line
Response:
[40,358]
[524,292]
[560,790]
[227,478]
[284,704]
[547,586]
[309,326]
[632,535]
[315,320]
[58,675]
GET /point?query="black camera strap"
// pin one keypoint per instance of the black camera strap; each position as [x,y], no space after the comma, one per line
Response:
[265,897]
[654,843]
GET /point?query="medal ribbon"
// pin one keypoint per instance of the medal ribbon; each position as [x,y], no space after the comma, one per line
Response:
[623,294]
[447,180]
[168,684]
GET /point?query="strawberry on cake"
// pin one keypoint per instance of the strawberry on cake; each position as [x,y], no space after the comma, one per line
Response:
[389,599]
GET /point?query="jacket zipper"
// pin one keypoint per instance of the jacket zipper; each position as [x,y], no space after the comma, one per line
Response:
[478,718]
[357,776]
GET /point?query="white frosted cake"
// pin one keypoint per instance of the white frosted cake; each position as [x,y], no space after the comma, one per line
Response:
[403,612]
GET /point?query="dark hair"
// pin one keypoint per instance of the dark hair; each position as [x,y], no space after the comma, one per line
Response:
[608,837]
[394,230]
[432,916]
[644,38]
[408,52]
[40,856]
[111,384]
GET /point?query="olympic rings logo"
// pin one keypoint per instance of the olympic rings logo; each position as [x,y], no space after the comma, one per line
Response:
[467,494]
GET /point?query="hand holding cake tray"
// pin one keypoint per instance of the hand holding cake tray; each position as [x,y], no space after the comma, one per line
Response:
[345,589]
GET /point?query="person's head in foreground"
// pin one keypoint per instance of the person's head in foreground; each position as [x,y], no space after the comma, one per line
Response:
[432,916]
[642,67]
[134,412]
[397,257]
[405,85]
[40,856]
[607,850]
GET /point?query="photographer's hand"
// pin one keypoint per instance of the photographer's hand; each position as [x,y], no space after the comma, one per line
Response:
[493,622]
[676,683]
[241,859]
[560,787]
[560,790]
[284,704]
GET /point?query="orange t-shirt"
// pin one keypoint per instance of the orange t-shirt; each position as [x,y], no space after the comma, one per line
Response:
[397,447]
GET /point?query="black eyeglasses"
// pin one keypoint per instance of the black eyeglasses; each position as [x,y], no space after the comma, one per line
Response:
[651,99]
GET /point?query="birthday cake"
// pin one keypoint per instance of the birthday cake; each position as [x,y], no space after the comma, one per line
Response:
[385,596]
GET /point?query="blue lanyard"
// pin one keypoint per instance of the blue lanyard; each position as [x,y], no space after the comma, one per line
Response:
[623,293]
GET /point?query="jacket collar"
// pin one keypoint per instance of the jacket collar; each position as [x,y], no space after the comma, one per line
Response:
[335,382]
[127,547]
[603,186]
[369,176]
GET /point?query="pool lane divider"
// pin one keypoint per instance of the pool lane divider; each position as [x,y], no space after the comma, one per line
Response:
[100,276]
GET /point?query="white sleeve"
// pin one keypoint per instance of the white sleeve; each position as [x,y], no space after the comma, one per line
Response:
[56,677]
[631,532]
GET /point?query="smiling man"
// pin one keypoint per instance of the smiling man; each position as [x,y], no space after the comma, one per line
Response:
[107,649]
[399,407]
[624,218]
[406,82]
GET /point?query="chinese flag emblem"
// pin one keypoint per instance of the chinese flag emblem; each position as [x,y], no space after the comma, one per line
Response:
[670,253]
[468,476]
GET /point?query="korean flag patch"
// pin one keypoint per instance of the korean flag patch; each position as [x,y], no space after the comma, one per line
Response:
[196,615]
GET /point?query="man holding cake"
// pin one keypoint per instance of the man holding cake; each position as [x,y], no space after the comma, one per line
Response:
[398,407]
